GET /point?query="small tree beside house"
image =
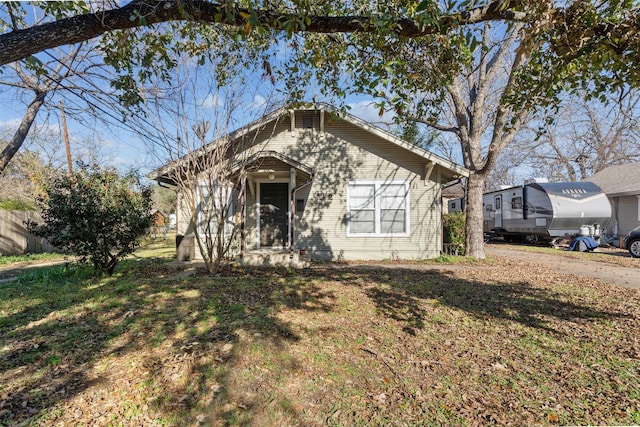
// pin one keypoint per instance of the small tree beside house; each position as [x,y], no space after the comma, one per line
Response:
[206,191]
[96,214]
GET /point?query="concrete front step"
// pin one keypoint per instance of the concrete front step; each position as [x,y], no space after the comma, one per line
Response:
[271,258]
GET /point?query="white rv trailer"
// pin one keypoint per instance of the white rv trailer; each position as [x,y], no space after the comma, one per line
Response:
[545,210]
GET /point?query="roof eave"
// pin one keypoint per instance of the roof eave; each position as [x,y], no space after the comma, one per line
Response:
[624,193]
[457,171]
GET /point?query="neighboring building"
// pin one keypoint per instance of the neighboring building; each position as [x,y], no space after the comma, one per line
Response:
[453,198]
[334,187]
[159,223]
[159,218]
[621,184]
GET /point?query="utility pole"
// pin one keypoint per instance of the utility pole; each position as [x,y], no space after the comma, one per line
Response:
[66,139]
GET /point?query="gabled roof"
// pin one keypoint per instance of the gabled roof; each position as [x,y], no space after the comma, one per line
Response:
[455,170]
[266,154]
[453,190]
[619,180]
[453,167]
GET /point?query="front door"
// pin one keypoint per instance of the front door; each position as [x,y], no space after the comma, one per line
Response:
[274,204]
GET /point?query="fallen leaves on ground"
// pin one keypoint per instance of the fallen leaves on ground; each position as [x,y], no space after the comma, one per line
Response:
[508,344]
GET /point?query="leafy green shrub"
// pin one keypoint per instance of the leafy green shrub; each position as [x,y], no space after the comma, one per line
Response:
[96,214]
[454,231]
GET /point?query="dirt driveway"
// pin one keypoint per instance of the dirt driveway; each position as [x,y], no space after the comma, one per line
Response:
[627,275]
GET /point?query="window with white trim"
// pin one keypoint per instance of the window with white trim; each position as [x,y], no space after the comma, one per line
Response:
[377,208]
[209,209]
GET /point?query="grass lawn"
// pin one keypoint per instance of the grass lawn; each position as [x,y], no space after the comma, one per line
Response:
[6,260]
[473,344]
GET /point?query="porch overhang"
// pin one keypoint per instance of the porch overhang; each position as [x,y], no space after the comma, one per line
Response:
[270,164]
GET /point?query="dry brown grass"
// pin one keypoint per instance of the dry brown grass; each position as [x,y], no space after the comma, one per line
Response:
[504,343]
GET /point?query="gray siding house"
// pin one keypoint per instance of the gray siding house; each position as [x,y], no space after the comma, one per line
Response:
[621,184]
[334,187]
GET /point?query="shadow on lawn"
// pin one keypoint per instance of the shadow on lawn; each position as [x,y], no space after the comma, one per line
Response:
[404,291]
[70,325]
[52,346]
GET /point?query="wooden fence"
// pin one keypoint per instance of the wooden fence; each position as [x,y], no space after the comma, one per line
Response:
[15,237]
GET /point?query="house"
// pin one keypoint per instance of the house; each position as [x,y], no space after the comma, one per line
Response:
[453,197]
[159,223]
[159,218]
[332,186]
[621,184]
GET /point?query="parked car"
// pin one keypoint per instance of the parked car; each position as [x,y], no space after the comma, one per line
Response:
[632,242]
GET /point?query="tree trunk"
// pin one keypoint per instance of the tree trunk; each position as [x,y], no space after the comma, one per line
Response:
[473,228]
[111,265]
[23,130]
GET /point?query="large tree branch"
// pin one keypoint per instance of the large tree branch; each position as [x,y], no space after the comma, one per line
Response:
[440,127]
[22,43]
[23,130]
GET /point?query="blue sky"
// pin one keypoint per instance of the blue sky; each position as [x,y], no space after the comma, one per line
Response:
[119,147]
[116,145]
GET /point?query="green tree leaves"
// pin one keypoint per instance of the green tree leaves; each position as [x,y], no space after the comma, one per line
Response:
[97,215]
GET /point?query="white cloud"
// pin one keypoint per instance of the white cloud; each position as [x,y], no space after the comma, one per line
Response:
[259,103]
[211,101]
[10,124]
[367,111]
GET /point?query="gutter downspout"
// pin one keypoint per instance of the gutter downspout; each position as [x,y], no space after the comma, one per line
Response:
[616,224]
[292,211]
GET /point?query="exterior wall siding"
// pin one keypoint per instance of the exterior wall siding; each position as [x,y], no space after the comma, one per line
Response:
[628,214]
[184,225]
[341,153]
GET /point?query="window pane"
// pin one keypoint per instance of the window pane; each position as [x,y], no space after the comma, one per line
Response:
[392,189]
[516,203]
[392,221]
[361,197]
[392,196]
[215,201]
[392,202]
[363,222]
